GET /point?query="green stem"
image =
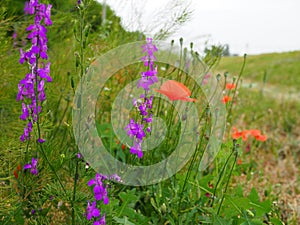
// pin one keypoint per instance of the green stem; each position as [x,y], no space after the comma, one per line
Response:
[74,192]
[229,116]
[219,178]
[234,150]
[190,170]
[52,168]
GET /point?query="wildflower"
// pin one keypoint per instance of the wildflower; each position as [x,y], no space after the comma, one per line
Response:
[237,134]
[101,221]
[206,78]
[239,162]
[226,99]
[100,191]
[31,88]
[115,177]
[246,133]
[32,166]
[261,138]
[136,149]
[150,49]
[176,91]
[135,130]
[230,86]
[16,174]
[123,147]
[92,211]
[40,140]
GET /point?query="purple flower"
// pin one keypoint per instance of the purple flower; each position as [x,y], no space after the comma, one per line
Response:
[14,36]
[27,131]
[47,20]
[149,48]
[148,119]
[100,191]
[101,221]
[32,86]
[136,149]
[92,211]
[32,166]
[135,130]
[115,177]
[25,111]
[40,140]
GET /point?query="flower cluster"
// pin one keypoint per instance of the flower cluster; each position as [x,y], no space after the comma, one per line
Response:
[136,130]
[246,133]
[229,87]
[100,194]
[31,88]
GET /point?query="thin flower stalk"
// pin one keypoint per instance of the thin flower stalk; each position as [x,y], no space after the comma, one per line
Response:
[137,130]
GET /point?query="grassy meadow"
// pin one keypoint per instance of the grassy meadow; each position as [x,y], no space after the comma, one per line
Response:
[261,185]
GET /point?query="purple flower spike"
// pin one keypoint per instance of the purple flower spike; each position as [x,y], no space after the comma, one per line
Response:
[32,86]
[135,130]
[32,166]
[92,211]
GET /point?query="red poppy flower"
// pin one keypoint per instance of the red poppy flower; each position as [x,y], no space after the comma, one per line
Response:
[230,86]
[254,132]
[226,99]
[175,90]
[261,138]
[237,134]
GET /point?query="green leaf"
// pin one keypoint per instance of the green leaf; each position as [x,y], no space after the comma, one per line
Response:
[261,208]
[235,206]
[127,198]
[276,221]
[253,196]
[220,221]
[123,220]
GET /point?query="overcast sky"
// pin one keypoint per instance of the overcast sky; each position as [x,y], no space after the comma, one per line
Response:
[248,26]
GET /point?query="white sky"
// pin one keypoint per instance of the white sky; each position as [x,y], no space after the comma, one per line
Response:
[248,26]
